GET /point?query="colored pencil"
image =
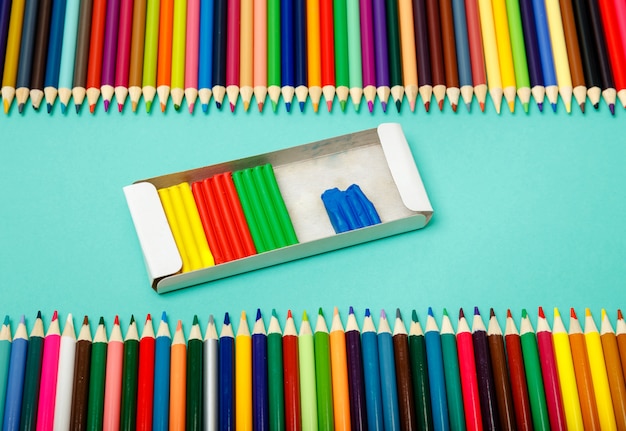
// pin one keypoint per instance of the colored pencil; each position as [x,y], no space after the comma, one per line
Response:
[137,44]
[226,378]
[109,52]
[5,14]
[122,60]
[533,57]
[276,395]
[5,357]
[220,19]
[477,56]
[484,373]
[246,53]
[32,376]
[205,60]
[620,10]
[80,381]
[354,52]
[243,376]
[49,375]
[620,333]
[490,46]
[449,53]
[179,46]
[145,377]
[532,366]
[597,364]
[96,48]
[342,52]
[260,402]
[436,375]
[463,52]
[164,59]
[588,54]
[192,53]
[386,363]
[436,51]
[162,359]
[260,51]
[65,375]
[97,378]
[371,373]
[546,52]
[339,364]
[233,58]
[306,366]
[313,52]
[368,56]
[519,388]
[469,379]
[327,51]
[518,49]
[423,52]
[567,378]
[404,383]
[356,379]
[573,53]
[381,52]
[502,384]
[12,55]
[273,52]
[27,45]
[291,375]
[113,378]
[505,54]
[68,53]
[407,45]
[393,51]
[130,364]
[559,49]
[194,376]
[178,380]
[452,374]
[323,380]
[584,380]
[210,378]
[554,398]
[16,377]
[81,60]
[47,51]
[287,53]
[150,52]
[616,45]
[613,370]
[419,374]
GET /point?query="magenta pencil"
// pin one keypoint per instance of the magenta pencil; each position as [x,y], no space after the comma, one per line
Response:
[122,64]
[113,382]
[48,382]
[550,377]
[232,51]
[109,54]
[367,53]
[192,53]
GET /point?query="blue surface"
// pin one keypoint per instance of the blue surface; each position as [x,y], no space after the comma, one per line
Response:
[528,211]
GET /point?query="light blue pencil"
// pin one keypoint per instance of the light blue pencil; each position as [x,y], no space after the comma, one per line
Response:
[205,63]
[434,356]
[386,362]
[161,405]
[371,374]
[545,52]
[55,45]
[5,357]
[68,51]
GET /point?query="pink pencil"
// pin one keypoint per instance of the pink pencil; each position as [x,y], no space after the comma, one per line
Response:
[554,399]
[232,51]
[122,64]
[260,52]
[477,57]
[113,382]
[48,383]
[192,52]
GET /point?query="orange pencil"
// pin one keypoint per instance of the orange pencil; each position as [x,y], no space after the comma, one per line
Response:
[614,371]
[246,55]
[620,331]
[96,45]
[178,380]
[313,51]
[164,60]
[339,373]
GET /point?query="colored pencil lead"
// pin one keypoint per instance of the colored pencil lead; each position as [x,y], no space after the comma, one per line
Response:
[367,312]
[226,319]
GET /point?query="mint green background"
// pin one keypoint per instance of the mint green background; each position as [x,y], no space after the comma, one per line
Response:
[529,210]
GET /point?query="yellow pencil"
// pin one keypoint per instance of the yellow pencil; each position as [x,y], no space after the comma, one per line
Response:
[168,207]
[614,370]
[606,414]
[407,44]
[243,376]
[490,47]
[505,54]
[314,51]
[179,38]
[246,56]
[559,52]
[567,377]
[12,55]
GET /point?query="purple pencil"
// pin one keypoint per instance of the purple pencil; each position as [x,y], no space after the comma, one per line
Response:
[367,53]
[380,50]
[109,53]
[356,382]
[122,67]
[486,385]
[532,52]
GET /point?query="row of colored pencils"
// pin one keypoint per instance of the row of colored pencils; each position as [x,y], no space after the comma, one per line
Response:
[315,378]
[190,49]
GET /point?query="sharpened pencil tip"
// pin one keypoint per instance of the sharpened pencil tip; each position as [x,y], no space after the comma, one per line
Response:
[553,107]
[440,104]
[445,312]
[218,105]
[116,321]
[587,312]
[106,105]
[23,320]
[320,312]
[301,106]
[524,313]
[260,105]
[572,313]
[596,106]
[351,310]
[454,107]
[316,107]
[343,105]
[398,314]
[619,314]
[258,314]
[246,106]
[556,312]
[190,108]
[274,106]
[49,108]
[461,314]
[540,106]
[370,106]
[6,320]
[85,320]
[274,313]
[367,312]
[148,317]
[430,312]
[525,106]
[162,107]
[63,109]
[179,325]
[541,313]
[243,316]
[39,315]
[211,320]
[289,315]
[492,313]
[133,105]
[164,317]
[612,108]
[582,108]
[288,106]
[20,108]
[120,107]
[476,312]
[384,105]
[226,319]
[414,316]
[205,107]
[329,105]
[132,319]
[195,319]
[148,107]
[383,315]
[508,313]
[176,107]
[101,321]
[305,317]
[398,105]
[92,109]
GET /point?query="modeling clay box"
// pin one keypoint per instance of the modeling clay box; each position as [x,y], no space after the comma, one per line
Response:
[216,221]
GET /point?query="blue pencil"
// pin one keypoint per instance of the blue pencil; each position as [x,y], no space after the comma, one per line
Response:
[5,357]
[227,377]
[462,52]
[533,58]
[436,377]
[260,401]
[301,71]
[68,51]
[22,86]
[15,382]
[219,51]
[386,362]
[205,64]
[545,52]
[287,64]
[5,14]
[55,45]
[371,373]
[161,404]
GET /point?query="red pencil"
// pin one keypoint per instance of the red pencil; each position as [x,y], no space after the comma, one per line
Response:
[615,46]
[122,65]
[469,380]
[96,45]
[145,379]
[521,402]
[327,48]
[291,376]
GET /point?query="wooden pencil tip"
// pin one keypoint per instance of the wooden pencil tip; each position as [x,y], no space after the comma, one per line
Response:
[398,314]
[383,315]
[427,106]
[39,315]
[162,107]
[164,317]
[179,325]
[384,106]
[582,108]
[305,317]
[101,321]
[430,312]
[556,312]
[476,312]
[132,319]
[612,108]
[524,313]
[55,315]
[120,107]
[454,107]
[92,108]
[414,316]
[329,105]
[482,106]
[587,312]
[260,105]
[316,107]
[274,313]
[370,106]
[106,105]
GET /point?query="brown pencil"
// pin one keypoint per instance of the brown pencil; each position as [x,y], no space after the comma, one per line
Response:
[82,53]
[436,51]
[135,75]
[519,388]
[40,53]
[620,331]
[80,387]
[504,396]
[404,383]
[453,89]
[573,53]
[614,371]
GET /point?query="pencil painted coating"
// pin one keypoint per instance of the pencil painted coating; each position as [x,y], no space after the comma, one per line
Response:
[436,376]
[436,51]
[27,45]
[192,52]
[233,58]
[613,370]
[561,62]
[5,357]
[150,52]
[519,388]
[97,379]
[484,374]
[164,59]
[65,376]
[620,332]
[419,373]
[504,396]
[109,53]
[128,402]
[32,376]
[205,59]
[573,53]
[96,47]
[588,54]
[408,53]
[490,46]
[210,378]
[276,396]
[616,46]
[122,60]
[462,51]
[339,373]
[291,376]
[469,380]
[533,58]
[368,56]
[15,381]
[162,359]
[243,376]
[178,379]
[449,52]
[452,374]
[5,14]
[80,386]
[47,50]
[306,366]
[356,378]
[12,55]
[342,53]
[145,377]
[381,51]
[49,374]
[354,52]
[179,43]
[220,18]
[68,51]
[137,44]
[287,52]
[505,54]
[113,379]
[227,377]
[260,52]
[327,51]
[323,380]
[545,51]
[406,404]
[274,47]
[246,52]
[371,373]
[393,51]
[260,402]
[313,52]
[518,50]
[423,51]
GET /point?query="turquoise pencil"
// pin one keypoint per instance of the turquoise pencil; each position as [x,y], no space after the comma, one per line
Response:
[162,350]
[434,355]
[371,373]
[68,51]
[386,362]
[5,356]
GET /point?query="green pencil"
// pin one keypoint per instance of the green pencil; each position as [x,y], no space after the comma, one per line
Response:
[393,50]
[322,375]
[5,355]
[273,51]
[419,374]
[95,404]
[151,47]
[128,413]
[354,52]
[519,52]
[306,362]
[342,71]
[275,375]
[32,375]
[452,374]
[194,377]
